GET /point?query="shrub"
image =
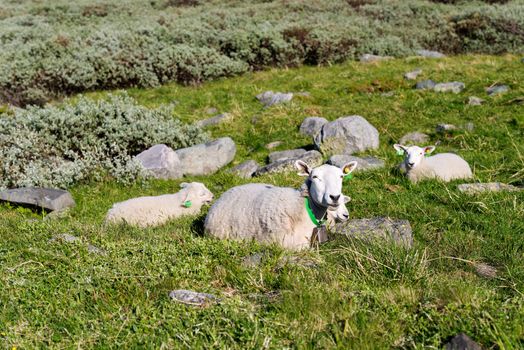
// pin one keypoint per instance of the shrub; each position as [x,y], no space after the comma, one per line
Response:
[60,146]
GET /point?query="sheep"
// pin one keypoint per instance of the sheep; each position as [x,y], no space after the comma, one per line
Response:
[442,166]
[157,210]
[271,214]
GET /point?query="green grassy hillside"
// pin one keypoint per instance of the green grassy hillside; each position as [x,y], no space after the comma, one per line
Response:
[360,295]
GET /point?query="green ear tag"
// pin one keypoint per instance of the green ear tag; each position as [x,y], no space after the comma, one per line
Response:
[400,152]
[188,204]
[348,177]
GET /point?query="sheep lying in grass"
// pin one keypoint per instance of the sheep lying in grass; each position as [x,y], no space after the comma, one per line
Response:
[271,214]
[442,166]
[155,211]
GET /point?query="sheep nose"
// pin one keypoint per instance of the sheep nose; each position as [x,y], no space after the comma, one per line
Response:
[345,216]
[411,164]
[334,198]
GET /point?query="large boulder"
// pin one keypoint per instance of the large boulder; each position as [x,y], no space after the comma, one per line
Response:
[291,153]
[312,125]
[397,231]
[161,162]
[245,169]
[270,98]
[347,135]
[366,163]
[206,158]
[312,158]
[50,199]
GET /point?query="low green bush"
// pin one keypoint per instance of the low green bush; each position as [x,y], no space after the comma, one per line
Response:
[64,48]
[60,146]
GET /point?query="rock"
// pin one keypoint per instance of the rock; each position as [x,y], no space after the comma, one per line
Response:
[475,101]
[425,85]
[398,231]
[366,163]
[368,58]
[49,199]
[161,162]
[270,98]
[413,74]
[273,144]
[67,238]
[303,94]
[252,260]
[485,270]
[211,110]
[430,54]
[469,126]
[475,188]
[347,135]
[312,158]
[300,261]
[462,342]
[292,153]
[214,120]
[414,138]
[312,125]
[497,89]
[444,128]
[246,169]
[454,87]
[192,298]
[206,158]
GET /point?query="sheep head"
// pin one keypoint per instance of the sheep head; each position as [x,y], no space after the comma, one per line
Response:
[325,182]
[413,155]
[197,192]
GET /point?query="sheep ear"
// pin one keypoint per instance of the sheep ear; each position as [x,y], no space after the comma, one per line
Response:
[347,199]
[303,168]
[349,167]
[184,185]
[429,149]
[399,148]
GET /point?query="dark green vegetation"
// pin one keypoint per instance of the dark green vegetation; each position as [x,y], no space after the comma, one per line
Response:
[52,48]
[360,296]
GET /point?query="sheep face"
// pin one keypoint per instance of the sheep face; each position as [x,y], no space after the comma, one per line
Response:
[197,191]
[325,182]
[413,155]
[340,213]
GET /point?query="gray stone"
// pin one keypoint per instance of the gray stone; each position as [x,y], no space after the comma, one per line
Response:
[214,120]
[300,261]
[312,158]
[291,153]
[270,98]
[368,58]
[347,135]
[161,162]
[425,85]
[95,250]
[485,270]
[475,101]
[303,94]
[454,86]
[475,188]
[246,169]
[211,110]
[366,163]
[444,128]
[497,89]
[46,198]
[253,260]
[192,298]
[273,144]
[67,238]
[398,231]
[206,158]
[312,125]
[413,74]
[462,342]
[430,54]
[414,138]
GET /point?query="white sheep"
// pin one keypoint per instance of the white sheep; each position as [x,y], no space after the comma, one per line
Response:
[442,166]
[271,214]
[157,210]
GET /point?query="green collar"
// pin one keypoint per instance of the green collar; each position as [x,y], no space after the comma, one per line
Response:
[312,216]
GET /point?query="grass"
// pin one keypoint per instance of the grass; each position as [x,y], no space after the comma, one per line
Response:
[360,295]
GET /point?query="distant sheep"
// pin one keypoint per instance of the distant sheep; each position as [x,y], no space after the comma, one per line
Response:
[442,166]
[279,215]
[155,211]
